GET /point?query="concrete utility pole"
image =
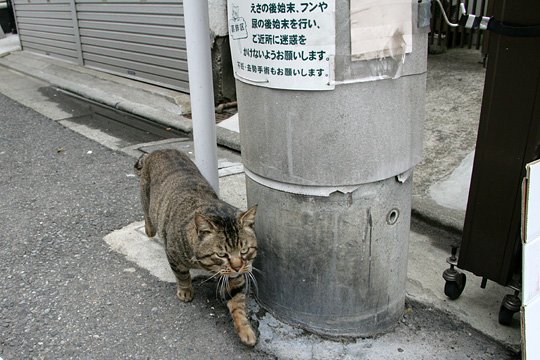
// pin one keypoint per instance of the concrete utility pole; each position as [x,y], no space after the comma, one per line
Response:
[331,173]
[201,89]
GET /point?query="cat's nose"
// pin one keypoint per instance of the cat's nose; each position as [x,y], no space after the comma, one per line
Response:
[236,263]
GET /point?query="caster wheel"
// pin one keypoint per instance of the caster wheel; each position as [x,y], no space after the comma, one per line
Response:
[510,305]
[505,316]
[454,288]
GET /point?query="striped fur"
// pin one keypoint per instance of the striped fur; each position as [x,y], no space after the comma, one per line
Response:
[199,231]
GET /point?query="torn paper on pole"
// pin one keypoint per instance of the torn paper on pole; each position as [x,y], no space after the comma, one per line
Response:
[380,28]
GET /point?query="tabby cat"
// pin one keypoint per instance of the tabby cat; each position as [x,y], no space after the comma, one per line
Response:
[199,230]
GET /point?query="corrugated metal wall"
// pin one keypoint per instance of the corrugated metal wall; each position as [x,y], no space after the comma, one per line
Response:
[47,27]
[142,39]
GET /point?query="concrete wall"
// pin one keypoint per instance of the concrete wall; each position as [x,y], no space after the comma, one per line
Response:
[224,87]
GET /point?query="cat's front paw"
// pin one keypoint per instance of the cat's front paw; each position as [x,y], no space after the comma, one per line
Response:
[247,335]
[185,295]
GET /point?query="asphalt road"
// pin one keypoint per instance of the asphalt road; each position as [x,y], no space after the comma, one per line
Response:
[63,293]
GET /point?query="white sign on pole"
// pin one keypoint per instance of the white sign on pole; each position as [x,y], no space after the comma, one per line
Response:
[530,311]
[283,44]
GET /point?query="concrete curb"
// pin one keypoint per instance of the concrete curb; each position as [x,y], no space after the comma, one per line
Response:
[429,212]
[79,81]
[168,107]
[229,139]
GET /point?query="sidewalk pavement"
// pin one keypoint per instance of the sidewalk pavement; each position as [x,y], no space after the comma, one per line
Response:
[454,90]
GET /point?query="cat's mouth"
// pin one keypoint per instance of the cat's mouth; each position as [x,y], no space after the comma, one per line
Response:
[234,275]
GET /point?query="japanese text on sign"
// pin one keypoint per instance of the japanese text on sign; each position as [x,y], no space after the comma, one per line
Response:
[286,45]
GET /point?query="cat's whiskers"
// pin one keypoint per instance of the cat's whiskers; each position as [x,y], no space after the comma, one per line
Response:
[247,285]
[219,287]
[210,278]
[226,287]
[257,270]
[222,286]
[249,276]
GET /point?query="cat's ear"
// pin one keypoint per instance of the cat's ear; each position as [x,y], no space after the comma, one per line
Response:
[247,218]
[204,225]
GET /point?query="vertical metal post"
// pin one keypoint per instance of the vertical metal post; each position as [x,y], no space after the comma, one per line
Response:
[201,88]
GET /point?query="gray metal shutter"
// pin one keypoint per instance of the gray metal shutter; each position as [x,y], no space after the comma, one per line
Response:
[140,39]
[47,27]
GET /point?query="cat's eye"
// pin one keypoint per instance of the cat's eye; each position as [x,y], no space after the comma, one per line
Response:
[244,251]
[221,254]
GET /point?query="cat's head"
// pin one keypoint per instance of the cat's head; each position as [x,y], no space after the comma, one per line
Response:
[226,244]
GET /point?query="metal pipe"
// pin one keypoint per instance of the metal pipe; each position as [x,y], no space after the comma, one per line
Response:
[201,89]
[462,11]
[221,107]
